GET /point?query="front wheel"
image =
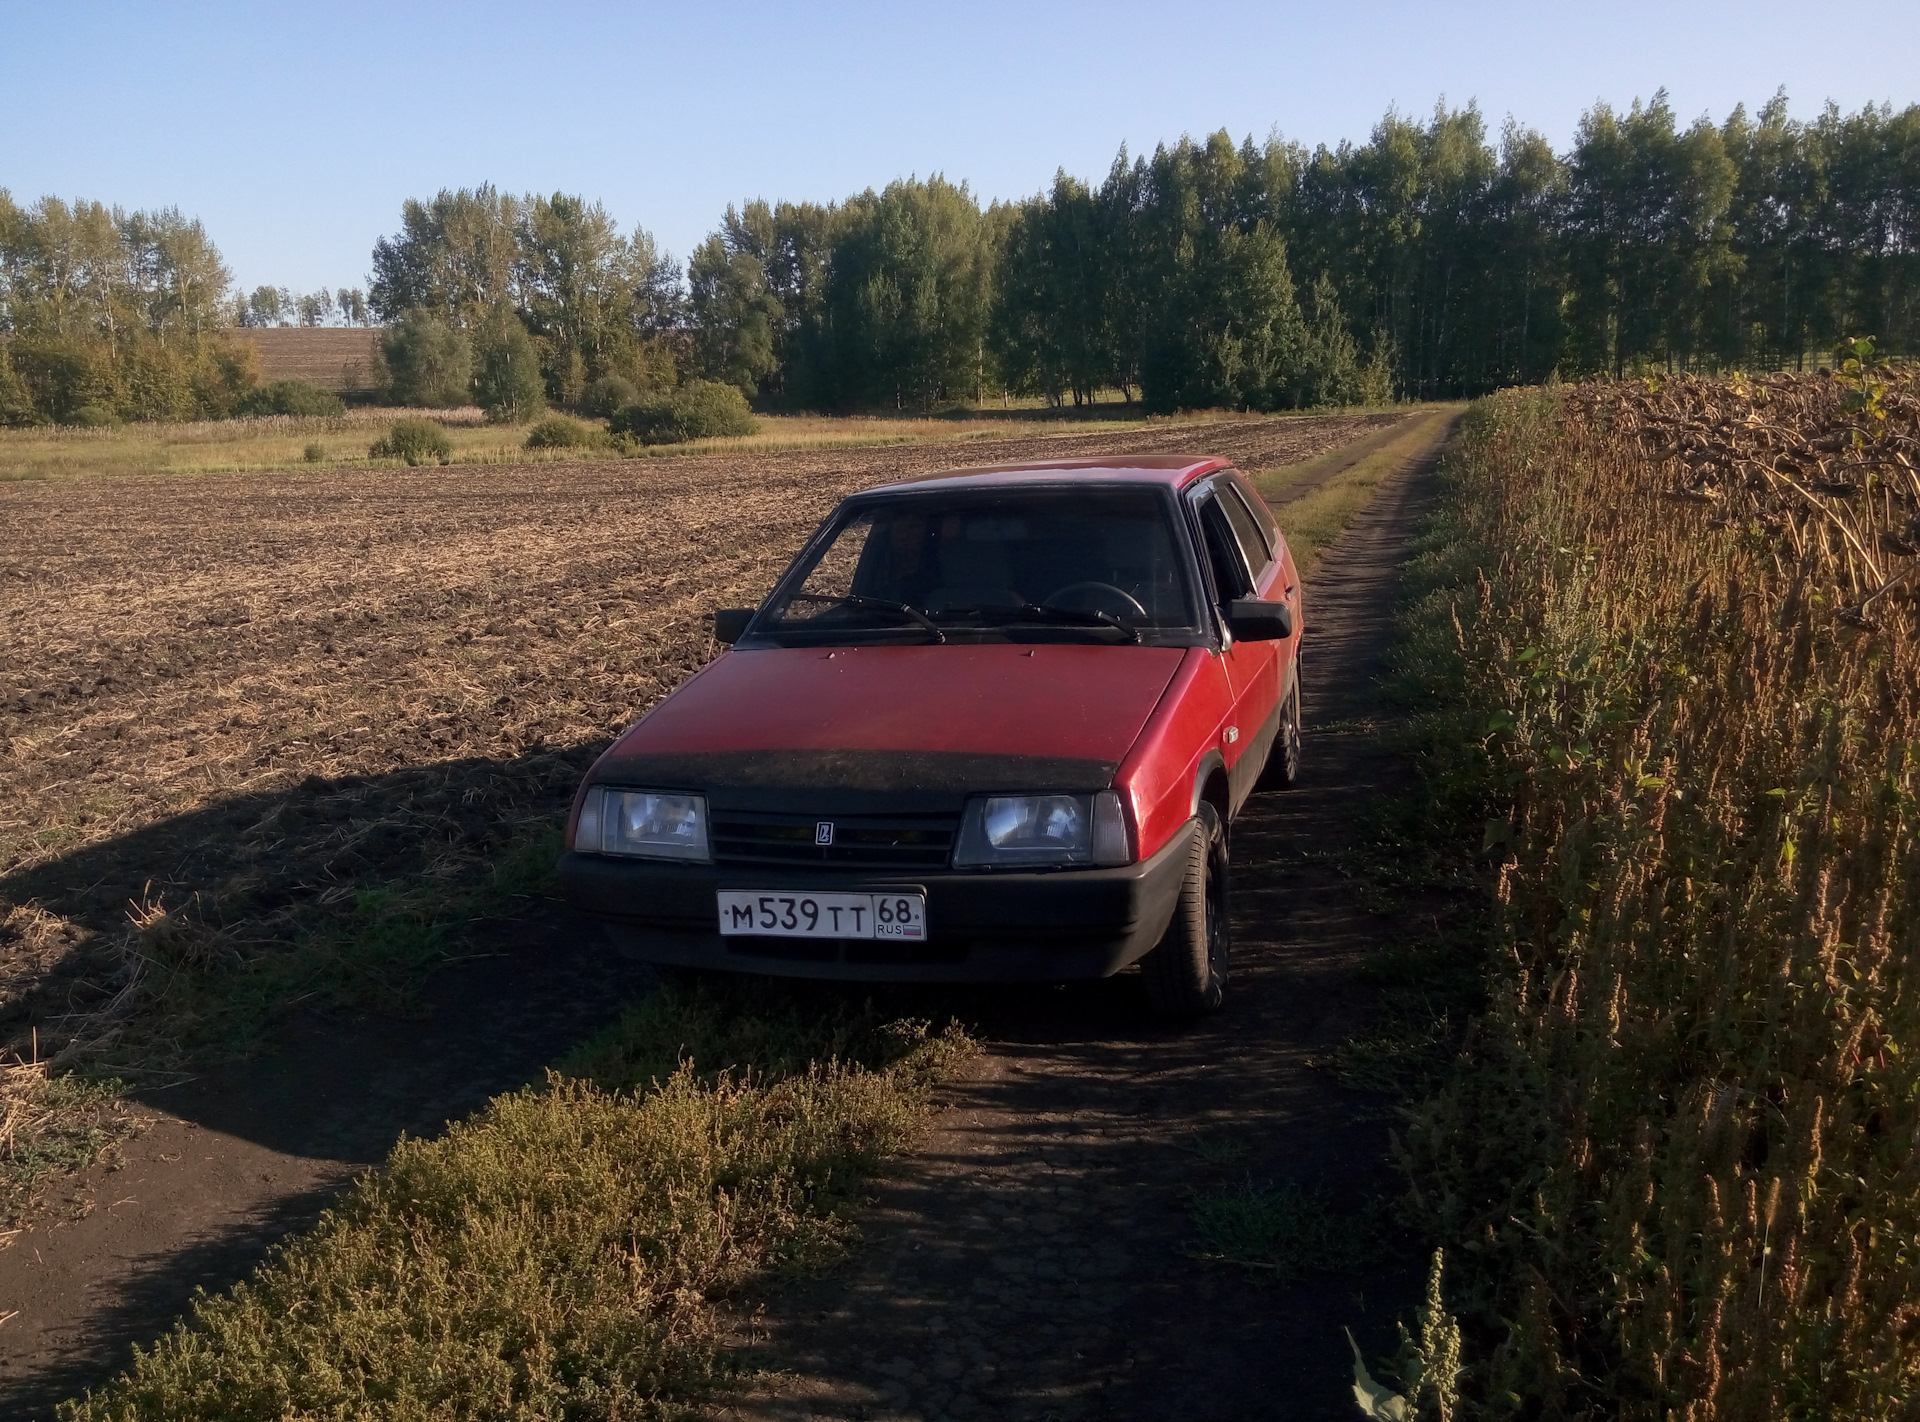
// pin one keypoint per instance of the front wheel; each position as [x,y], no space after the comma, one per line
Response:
[1186,973]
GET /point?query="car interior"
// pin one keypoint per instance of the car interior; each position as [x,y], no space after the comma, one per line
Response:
[963,559]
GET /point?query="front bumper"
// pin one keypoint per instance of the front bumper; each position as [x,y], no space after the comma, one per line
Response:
[1058,926]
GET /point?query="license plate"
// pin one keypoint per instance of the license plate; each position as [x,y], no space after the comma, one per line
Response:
[778,914]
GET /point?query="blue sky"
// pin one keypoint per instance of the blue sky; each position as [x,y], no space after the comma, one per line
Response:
[294,130]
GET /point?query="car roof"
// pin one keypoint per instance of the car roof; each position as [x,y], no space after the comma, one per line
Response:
[1175,470]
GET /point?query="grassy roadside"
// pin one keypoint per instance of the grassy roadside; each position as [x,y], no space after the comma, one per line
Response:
[1312,521]
[562,1252]
[1662,1109]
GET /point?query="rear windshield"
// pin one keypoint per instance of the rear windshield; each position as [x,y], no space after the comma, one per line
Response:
[1019,565]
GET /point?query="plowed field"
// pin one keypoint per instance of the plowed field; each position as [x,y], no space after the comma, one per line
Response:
[230,703]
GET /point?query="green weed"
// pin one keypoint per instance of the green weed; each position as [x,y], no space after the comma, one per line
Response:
[1281,1230]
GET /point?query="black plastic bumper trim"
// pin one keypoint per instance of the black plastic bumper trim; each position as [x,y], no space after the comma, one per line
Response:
[1061,926]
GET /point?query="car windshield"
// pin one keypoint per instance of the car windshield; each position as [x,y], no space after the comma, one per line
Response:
[1021,565]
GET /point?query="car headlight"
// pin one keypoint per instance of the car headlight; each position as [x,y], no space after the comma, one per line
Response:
[1037,831]
[649,824]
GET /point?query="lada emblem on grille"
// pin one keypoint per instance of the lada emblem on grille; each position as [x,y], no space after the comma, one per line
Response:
[823,832]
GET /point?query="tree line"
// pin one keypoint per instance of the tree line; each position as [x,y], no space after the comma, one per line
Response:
[109,314]
[1434,259]
[281,306]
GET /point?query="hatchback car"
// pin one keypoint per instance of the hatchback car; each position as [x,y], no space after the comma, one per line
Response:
[988,726]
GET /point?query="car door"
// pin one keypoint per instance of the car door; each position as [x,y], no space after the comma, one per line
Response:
[1240,564]
[1274,580]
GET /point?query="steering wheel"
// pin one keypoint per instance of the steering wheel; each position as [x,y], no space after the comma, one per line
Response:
[1097,597]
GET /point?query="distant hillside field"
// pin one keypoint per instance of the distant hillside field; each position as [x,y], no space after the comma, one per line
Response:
[343,358]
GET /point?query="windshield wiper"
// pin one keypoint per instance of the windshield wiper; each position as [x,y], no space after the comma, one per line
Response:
[1042,612]
[873,604]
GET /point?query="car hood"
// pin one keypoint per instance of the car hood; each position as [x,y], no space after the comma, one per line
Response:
[931,722]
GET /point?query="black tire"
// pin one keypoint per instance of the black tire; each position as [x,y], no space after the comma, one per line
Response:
[1186,973]
[1282,770]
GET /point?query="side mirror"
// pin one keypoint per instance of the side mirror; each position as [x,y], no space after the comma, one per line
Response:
[1251,620]
[730,622]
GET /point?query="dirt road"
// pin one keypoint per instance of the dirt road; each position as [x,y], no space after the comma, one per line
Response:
[1036,1259]
[506,628]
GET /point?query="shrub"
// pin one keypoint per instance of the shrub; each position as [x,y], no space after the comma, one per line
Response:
[559,432]
[429,364]
[700,409]
[609,395]
[507,383]
[16,401]
[155,381]
[92,417]
[710,408]
[62,375]
[52,378]
[416,441]
[225,373]
[290,397]
[314,452]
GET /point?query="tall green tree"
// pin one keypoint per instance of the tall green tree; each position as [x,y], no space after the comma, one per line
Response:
[112,314]
[455,255]
[596,301]
[1458,262]
[736,315]
[1057,309]
[429,363]
[507,382]
[907,299]
[1647,236]
[1221,325]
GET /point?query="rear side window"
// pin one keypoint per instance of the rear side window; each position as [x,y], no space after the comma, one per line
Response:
[1230,578]
[1250,536]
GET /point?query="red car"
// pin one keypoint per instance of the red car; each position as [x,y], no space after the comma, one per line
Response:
[988,726]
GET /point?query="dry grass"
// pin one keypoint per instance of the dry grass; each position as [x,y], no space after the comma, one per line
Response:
[281,442]
[1680,1160]
[1314,520]
[562,1253]
[50,1126]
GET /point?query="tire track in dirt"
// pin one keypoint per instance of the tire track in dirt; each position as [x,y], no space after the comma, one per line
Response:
[1034,1259]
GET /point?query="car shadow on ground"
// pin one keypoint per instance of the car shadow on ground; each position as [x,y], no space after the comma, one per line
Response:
[243,877]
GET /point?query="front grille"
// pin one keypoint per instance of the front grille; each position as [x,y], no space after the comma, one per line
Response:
[859,841]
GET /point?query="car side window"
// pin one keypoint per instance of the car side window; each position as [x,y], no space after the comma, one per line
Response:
[1253,542]
[1230,579]
[1262,515]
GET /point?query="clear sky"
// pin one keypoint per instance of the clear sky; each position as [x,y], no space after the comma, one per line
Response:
[295,130]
